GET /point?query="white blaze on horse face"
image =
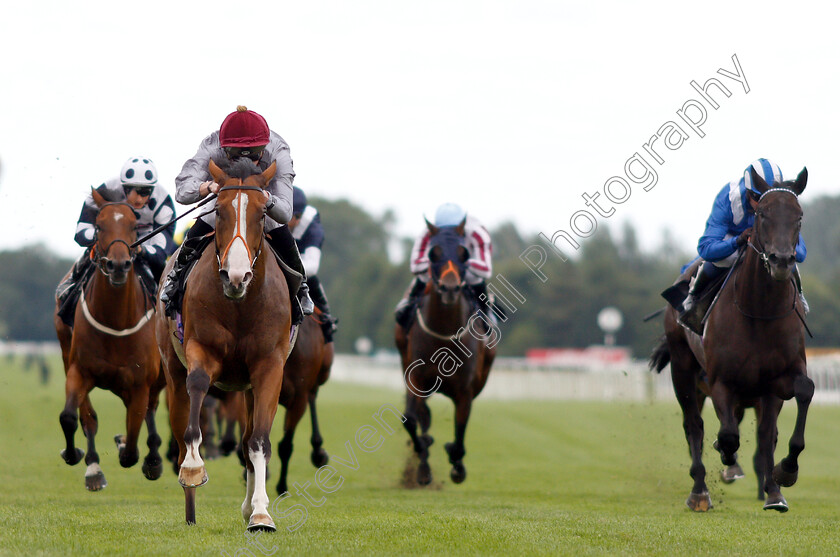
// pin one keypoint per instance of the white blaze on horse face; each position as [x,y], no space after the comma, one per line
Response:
[117,217]
[238,261]
[259,500]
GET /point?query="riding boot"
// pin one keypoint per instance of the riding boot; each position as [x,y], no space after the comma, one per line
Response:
[701,281]
[172,293]
[285,246]
[798,281]
[486,302]
[319,297]
[68,291]
[405,308]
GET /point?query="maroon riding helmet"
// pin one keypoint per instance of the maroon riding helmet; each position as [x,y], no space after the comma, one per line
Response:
[244,128]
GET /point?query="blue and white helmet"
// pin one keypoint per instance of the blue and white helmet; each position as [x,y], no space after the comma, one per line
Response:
[769,171]
[449,214]
[139,171]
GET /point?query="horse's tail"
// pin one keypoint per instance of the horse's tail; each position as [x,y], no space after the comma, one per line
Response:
[661,355]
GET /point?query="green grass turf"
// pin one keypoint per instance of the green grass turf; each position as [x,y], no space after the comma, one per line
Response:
[544,478]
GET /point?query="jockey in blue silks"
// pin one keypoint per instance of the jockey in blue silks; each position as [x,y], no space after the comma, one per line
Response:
[728,229]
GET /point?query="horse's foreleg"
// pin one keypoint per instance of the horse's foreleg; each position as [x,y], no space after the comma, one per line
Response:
[247,432]
[786,472]
[76,390]
[421,448]
[94,477]
[284,448]
[266,381]
[193,473]
[456,449]
[319,456]
[152,464]
[137,404]
[770,408]
[728,439]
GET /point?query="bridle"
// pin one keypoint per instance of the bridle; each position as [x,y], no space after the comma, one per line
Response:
[237,232]
[762,254]
[99,256]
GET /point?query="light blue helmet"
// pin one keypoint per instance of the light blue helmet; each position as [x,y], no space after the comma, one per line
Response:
[449,214]
[770,173]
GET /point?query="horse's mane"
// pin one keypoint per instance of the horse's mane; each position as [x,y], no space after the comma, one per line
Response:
[239,168]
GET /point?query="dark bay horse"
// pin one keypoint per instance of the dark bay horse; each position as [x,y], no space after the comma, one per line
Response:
[307,368]
[441,353]
[236,336]
[752,352]
[111,346]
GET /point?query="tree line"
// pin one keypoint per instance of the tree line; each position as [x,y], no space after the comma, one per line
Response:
[557,310]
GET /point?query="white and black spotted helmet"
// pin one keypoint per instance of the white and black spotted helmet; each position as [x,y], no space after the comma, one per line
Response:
[139,171]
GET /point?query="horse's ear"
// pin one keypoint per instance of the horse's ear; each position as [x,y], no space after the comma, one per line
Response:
[432,228]
[758,182]
[98,198]
[461,227]
[801,181]
[217,173]
[269,172]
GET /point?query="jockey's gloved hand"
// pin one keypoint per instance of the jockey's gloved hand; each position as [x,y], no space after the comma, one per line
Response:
[744,237]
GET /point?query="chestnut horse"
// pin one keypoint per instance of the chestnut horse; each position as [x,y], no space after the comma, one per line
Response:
[111,346]
[752,351]
[430,359]
[307,368]
[236,317]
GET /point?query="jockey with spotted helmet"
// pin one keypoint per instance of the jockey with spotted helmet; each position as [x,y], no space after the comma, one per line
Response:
[479,266]
[138,186]
[309,236]
[244,134]
[728,229]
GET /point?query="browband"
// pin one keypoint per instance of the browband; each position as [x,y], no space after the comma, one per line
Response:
[793,193]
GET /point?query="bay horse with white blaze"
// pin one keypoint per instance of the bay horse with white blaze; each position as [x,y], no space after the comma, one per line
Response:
[111,346]
[752,352]
[236,317]
[430,360]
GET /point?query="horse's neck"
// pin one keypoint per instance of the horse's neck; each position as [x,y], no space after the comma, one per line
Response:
[115,306]
[758,292]
[445,318]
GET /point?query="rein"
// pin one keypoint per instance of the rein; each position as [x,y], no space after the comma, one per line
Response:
[429,331]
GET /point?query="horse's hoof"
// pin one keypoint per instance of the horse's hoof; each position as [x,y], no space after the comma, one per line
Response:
[261,522]
[95,478]
[731,473]
[424,474]
[192,477]
[128,458]
[152,468]
[458,473]
[783,477]
[72,458]
[776,502]
[120,441]
[699,502]
[319,458]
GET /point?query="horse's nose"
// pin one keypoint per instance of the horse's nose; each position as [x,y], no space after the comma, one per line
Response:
[126,266]
[782,260]
[109,266]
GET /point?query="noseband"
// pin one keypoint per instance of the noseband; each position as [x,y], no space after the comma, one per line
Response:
[238,232]
[99,256]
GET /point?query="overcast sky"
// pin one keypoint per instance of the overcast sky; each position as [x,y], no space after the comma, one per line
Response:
[513,109]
